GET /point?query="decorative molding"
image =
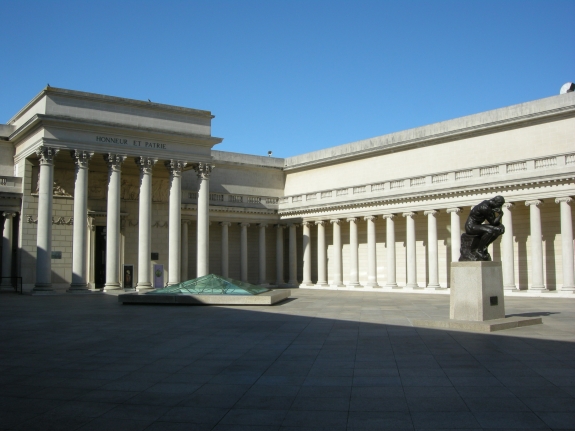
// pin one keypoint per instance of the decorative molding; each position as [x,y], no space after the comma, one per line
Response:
[62,221]
[203,170]
[453,210]
[319,222]
[175,167]
[390,216]
[430,212]
[566,199]
[409,214]
[30,219]
[508,205]
[81,158]
[114,161]
[46,154]
[535,202]
[159,224]
[146,164]
[370,217]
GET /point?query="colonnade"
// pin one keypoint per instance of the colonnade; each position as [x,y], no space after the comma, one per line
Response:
[507,249]
[177,248]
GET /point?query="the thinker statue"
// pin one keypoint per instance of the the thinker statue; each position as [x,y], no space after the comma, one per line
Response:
[478,235]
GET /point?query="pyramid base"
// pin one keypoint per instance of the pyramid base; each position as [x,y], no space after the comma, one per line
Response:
[266,298]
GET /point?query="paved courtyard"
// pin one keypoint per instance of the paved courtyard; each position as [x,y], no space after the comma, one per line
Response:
[322,360]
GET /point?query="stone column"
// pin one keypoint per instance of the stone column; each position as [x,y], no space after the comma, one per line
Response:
[279,254]
[390,244]
[145,164]
[455,234]
[7,243]
[184,276]
[432,251]
[337,254]
[508,261]
[292,255]
[225,249]
[80,232]
[353,253]
[321,255]
[306,254]
[175,220]
[244,251]
[537,280]
[203,170]
[567,243]
[411,254]
[113,221]
[262,254]
[371,252]
[44,240]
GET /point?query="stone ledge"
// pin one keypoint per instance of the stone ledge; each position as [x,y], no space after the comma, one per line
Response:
[485,326]
[266,298]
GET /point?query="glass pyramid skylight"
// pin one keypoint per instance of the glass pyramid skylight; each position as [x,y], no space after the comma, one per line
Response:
[210,284]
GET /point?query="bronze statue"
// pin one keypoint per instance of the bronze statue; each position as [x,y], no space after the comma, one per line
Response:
[478,235]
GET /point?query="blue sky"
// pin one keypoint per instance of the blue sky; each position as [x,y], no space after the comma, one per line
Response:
[293,76]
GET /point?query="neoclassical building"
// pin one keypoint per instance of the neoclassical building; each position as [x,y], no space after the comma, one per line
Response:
[106,193]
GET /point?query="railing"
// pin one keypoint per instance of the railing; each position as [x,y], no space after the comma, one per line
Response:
[14,282]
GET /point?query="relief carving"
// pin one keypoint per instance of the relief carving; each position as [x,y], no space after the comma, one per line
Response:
[98,185]
[130,189]
[160,190]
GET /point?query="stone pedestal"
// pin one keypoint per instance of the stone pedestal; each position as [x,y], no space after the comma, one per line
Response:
[476,291]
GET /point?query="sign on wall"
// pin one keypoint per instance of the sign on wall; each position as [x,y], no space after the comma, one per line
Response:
[158,275]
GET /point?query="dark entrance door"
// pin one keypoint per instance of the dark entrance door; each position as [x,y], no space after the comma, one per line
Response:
[100,257]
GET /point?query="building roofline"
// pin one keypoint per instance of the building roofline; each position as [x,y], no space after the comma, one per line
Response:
[109,99]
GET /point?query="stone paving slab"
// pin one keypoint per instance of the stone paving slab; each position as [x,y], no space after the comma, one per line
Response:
[336,360]
[483,326]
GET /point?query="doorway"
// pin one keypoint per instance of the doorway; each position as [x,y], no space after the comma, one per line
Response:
[100,257]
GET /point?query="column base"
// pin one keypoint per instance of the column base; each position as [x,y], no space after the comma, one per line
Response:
[432,287]
[372,284]
[510,287]
[78,288]
[568,289]
[292,283]
[42,288]
[306,284]
[321,284]
[144,287]
[338,284]
[112,286]
[393,286]
[414,286]
[355,284]
[539,289]
[6,288]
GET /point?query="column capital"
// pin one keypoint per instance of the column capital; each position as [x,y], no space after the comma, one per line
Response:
[175,166]
[566,199]
[114,161]
[186,222]
[409,214]
[293,225]
[430,212]
[46,154]
[243,224]
[319,222]
[306,223]
[9,214]
[388,216]
[455,210]
[508,205]
[370,218]
[335,221]
[535,202]
[81,158]
[351,219]
[203,170]
[280,226]
[264,225]
[145,164]
[225,223]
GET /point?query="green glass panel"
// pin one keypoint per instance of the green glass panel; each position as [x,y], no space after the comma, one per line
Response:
[210,284]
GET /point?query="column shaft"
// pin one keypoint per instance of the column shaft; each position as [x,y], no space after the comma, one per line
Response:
[433,257]
[411,251]
[280,255]
[353,253]
[145,165]
[508,260]
[455,234]
[390,244]
[80,232]
[244,251]
[44,238]
[184,276]
[7,244]
[306,254]
[371,252]
[262,254]
[203,171]
[537,280]
[225,249]
[567,244]
[113,221]
[321,255]
[175,220]
[337,254]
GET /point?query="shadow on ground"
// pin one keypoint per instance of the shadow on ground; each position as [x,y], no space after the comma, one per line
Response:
[323,360]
